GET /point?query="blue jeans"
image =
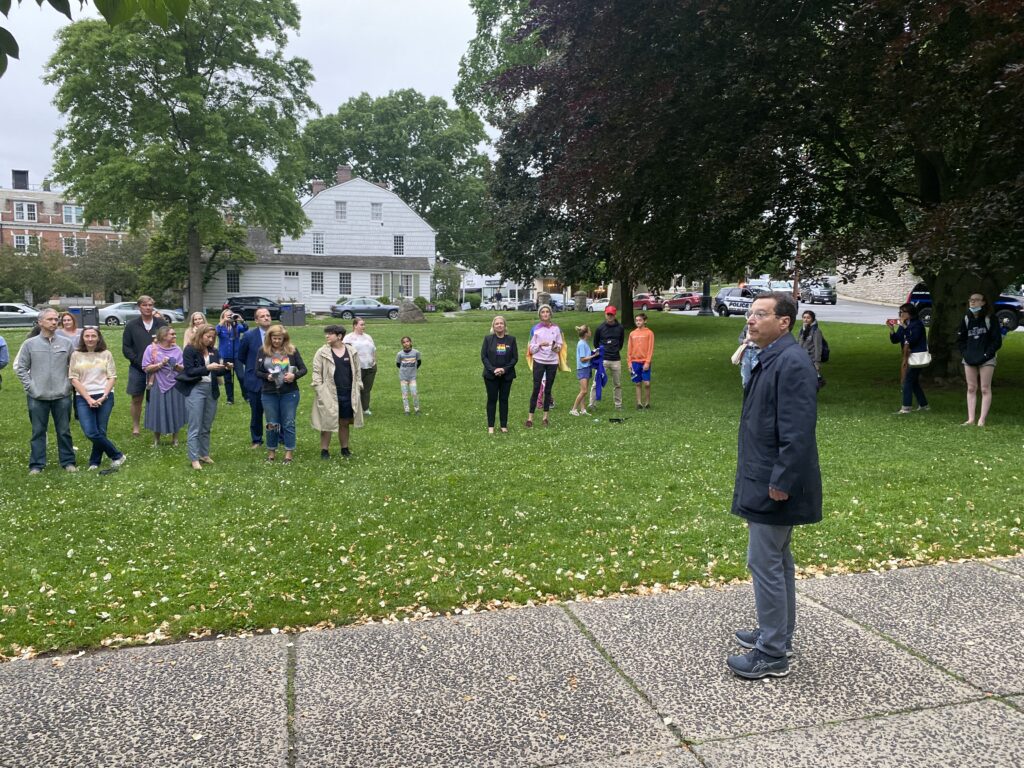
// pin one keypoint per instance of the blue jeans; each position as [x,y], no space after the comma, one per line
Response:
[39,412]
[201,408]
[912,388]
[94,425]
[280,412]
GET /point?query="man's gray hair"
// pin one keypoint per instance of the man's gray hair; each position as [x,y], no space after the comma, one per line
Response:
[46,311]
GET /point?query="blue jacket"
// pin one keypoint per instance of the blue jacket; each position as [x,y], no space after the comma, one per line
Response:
[777,442]
[248,348]
[913,335]
[228,340]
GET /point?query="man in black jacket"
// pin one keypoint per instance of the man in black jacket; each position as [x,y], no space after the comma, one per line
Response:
[138,334]
[612,336]
[778,480]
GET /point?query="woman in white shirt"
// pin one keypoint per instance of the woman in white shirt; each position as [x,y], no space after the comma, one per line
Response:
[367,350]
[93,374]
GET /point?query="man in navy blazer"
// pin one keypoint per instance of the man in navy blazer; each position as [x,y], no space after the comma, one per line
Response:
[248,349]
[778,479]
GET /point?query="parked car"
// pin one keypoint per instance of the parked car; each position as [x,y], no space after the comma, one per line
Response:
[490,305]
[246,306]
[819,293]
[733,301]
[119,313]
[526,305]
[17,314]
[1009,309]
[646,301]
[364,307]
[684,301]
[171,315]
[598,305]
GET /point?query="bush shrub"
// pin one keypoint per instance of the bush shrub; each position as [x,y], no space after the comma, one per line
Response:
[445,305]
[474,300]
[341,300]
[421,302]
[384,299]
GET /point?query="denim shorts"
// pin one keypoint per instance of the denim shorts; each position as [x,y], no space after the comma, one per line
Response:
[584,373]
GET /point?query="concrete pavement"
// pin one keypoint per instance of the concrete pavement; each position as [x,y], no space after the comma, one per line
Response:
[915,667]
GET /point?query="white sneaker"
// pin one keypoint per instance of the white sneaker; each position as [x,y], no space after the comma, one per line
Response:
[584,412]
[367,412]
[93,467]
[118,462]
[574,412]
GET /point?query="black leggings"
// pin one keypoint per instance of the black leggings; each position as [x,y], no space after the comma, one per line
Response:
[539,371]
[497,395]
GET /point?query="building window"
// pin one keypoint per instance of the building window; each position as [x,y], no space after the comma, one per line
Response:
[340,210]
[399,248]
[26,243]
[376,211]
[234,283]
[405,285]
[72,246]
[316,282]
[376,284]
[74,214]
[25,211]
[345,283]
[318,243]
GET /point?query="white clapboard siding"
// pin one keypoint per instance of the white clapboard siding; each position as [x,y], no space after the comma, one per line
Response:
[357,236]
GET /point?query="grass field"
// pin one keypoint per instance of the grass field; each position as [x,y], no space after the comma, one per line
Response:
[433,514]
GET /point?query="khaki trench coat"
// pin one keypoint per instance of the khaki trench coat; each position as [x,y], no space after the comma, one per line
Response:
[325,406]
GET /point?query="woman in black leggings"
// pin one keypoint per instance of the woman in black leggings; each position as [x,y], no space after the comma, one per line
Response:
[545,345]
[499,356]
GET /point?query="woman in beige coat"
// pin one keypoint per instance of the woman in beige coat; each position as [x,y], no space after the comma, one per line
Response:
[337,381]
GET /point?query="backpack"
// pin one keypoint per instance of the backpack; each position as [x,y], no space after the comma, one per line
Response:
[824,349]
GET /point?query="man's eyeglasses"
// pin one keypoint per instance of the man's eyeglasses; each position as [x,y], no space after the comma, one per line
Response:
[761,314]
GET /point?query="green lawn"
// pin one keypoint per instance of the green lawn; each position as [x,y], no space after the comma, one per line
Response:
[433,514]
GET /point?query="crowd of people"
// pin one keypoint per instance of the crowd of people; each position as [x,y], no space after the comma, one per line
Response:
[66,370]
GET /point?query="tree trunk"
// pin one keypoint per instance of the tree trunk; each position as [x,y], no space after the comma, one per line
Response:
[195,270]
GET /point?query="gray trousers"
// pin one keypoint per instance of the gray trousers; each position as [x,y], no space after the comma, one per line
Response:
[614,370]
[200,409]
[771,564]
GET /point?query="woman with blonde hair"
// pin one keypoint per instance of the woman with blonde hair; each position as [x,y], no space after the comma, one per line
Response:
[499,355]
[337,381]
[198,383]
[545,345]
[67,326]
[279,365]
[195,321]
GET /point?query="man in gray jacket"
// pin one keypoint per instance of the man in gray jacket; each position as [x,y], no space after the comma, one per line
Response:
[778,480]
[42,366]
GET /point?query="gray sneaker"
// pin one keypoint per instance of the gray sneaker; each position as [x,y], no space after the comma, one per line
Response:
[747,638]
[118,462]
[758,664]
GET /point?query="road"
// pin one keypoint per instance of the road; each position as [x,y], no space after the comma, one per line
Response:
[845,311]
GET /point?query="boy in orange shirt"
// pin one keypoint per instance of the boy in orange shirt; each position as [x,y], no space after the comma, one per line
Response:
[640,351]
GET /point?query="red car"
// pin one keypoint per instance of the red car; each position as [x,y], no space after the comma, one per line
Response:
[684,301]
[646,301]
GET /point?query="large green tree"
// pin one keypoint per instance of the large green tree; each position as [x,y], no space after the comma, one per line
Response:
[110,267]
[429,154]
[186,121]
[35,274]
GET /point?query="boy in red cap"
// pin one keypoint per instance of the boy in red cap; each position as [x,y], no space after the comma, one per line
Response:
[611,336]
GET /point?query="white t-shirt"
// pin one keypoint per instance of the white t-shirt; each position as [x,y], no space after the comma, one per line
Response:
[363,344]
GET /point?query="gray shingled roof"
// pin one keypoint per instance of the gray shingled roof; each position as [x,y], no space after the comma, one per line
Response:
[262,246]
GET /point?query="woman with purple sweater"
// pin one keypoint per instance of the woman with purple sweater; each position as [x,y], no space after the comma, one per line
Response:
[545,344]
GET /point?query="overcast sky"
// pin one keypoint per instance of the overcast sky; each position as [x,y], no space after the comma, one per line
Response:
[353,45]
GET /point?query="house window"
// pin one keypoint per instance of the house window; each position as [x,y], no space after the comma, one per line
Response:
[318,243]
[26,242]
[399,248]
[376,211]
[74,214]
[376,284]
[316,282]
[345,283]
[340,210]
[405,285]
[72,246]
[234,283]
[25,211]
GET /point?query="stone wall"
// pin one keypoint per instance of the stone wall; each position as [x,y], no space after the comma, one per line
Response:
[889,285]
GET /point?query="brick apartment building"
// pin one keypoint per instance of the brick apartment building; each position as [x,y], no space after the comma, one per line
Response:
[42,218]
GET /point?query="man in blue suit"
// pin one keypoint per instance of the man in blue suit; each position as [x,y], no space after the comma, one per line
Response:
[248,349]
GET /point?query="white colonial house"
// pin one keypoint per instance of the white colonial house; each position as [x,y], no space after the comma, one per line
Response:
[363,240]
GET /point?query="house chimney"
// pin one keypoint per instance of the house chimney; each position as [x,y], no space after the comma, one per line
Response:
[343,174]
[381,184]
[318,186]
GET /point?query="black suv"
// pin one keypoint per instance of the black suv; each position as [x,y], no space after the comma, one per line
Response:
[733,301]
[246,306]
[1008,308]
